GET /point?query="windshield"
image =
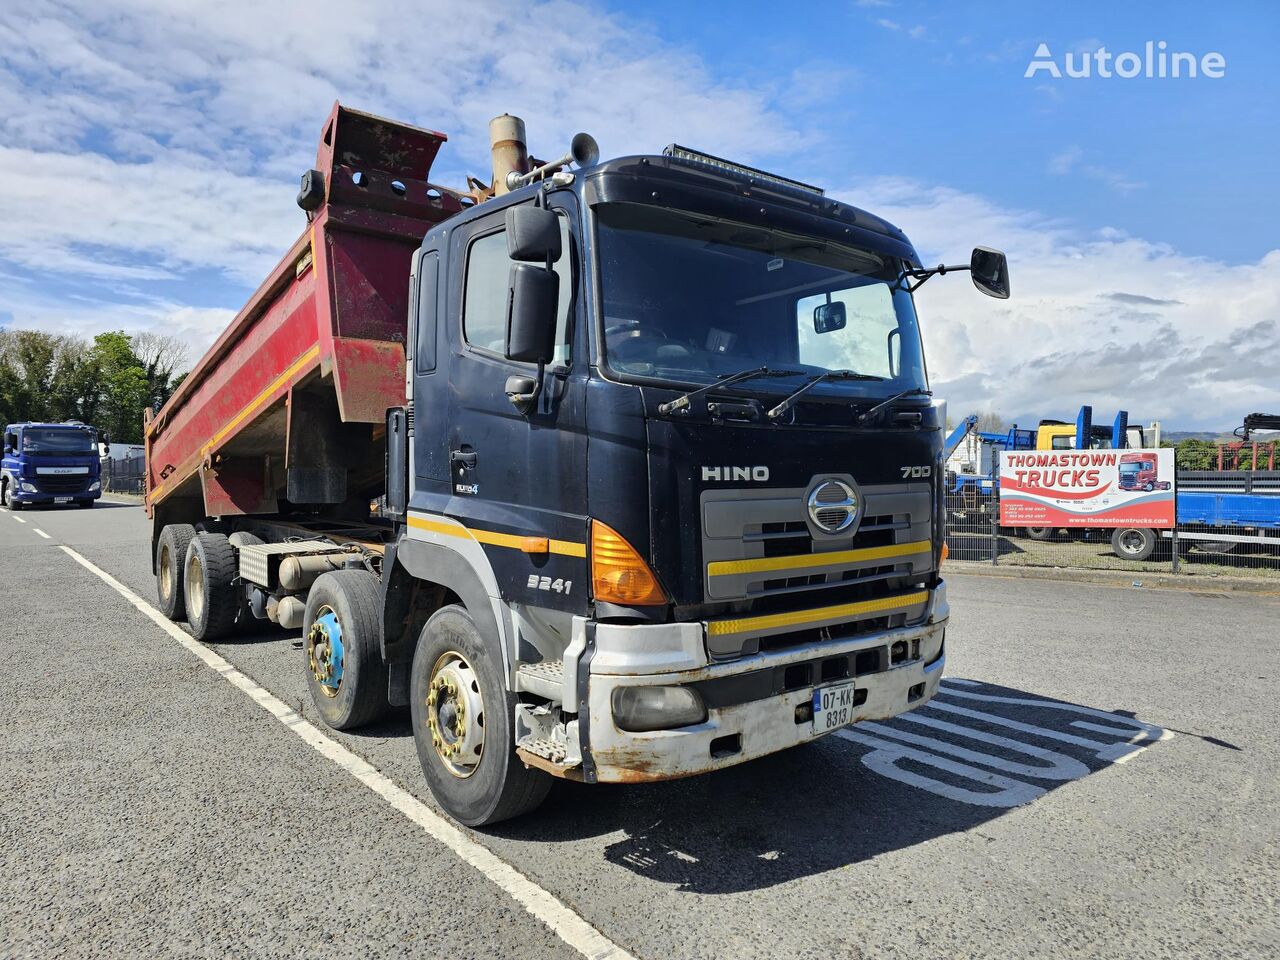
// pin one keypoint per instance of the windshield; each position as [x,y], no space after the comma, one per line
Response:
[688,298]
[53,440]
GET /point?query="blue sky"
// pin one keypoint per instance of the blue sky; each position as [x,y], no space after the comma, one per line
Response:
[936,92]
[149,157]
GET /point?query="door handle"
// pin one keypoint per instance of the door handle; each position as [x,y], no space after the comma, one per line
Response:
[466,458]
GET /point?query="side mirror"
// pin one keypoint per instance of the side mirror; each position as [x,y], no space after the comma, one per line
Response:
[533,234]
[532,297]
[990,272]
[828,317]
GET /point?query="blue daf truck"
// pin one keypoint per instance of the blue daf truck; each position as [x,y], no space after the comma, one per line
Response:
[50,463]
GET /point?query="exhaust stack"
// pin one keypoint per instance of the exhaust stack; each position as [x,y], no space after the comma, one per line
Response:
[510,153]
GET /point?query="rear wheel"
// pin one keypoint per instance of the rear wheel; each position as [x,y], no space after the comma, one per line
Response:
[171,554]
[211,595]
[342,629]
[1216,547]
[463,719]
[1133,543]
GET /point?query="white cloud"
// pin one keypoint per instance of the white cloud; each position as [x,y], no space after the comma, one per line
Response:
[142,142]
[888,24]
[1072,160]
[1104,318]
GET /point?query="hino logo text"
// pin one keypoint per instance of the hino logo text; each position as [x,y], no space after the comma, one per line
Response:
[759,474]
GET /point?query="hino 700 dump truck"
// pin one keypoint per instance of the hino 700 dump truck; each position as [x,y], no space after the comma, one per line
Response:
[613,471]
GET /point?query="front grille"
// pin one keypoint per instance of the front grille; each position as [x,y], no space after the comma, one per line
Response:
[761,555]
[72,483]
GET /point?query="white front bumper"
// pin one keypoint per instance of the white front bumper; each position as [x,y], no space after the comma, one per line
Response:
[744,731]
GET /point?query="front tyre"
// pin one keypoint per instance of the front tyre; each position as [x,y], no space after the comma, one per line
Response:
[463,720]
[342,634]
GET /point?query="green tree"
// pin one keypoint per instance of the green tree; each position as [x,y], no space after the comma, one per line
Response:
[1193,454]
[122,387]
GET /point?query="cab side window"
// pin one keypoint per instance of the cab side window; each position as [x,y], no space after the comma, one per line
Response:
[484,298]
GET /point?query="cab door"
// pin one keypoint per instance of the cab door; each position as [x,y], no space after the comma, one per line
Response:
[518,477]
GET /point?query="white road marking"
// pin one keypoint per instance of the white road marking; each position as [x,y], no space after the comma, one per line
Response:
[1060,766]
[887,756]
[42,533]
[885,759]
[539,902]
[18,518]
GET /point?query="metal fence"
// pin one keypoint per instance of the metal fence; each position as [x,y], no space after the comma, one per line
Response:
[1236,535]
[124,475]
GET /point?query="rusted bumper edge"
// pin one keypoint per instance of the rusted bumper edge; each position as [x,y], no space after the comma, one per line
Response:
[752,708]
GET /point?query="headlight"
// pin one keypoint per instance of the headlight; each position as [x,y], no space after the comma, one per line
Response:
[638,709]
[29,487]
[94,486]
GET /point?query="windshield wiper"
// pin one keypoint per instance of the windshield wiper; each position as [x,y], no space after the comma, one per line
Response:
[812,382]
[914,391]
[682,401]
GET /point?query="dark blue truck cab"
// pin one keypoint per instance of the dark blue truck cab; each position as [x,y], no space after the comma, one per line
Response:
[50,463]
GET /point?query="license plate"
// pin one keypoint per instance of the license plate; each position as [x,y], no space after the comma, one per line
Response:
[832,707]
[63,499]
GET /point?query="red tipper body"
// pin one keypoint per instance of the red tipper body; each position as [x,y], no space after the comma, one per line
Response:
[298,385]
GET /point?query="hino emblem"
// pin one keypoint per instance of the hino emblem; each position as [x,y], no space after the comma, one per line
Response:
[833,506]
[758,474]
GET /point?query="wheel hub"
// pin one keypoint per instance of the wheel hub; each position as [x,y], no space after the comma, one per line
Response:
[166,575]
[455,715]
[195,587]
[324,651]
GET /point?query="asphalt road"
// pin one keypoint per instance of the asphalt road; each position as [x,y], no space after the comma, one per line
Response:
[1101,777]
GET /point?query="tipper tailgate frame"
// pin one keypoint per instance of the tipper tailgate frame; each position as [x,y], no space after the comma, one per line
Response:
[332,316]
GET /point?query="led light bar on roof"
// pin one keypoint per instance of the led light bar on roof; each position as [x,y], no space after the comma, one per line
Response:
[678,152]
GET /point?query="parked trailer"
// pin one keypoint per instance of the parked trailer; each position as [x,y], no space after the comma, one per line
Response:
[1217,511]
[608,506]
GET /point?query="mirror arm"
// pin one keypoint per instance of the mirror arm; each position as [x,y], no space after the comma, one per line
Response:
[924,273]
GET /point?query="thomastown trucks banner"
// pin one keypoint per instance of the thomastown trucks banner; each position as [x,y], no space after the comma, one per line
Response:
[1087,488]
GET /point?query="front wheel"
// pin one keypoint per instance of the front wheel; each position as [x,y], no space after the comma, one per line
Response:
[1040,533]
[463,719]
[85,504]
[1133,543]
[342,631]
